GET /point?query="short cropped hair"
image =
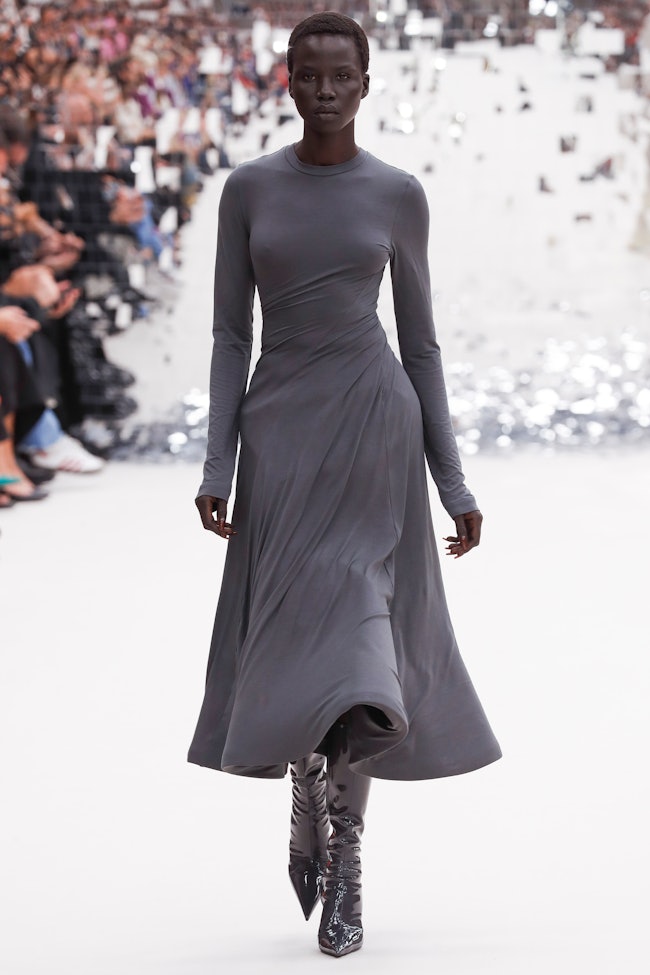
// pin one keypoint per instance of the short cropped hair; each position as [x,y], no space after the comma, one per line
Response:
[330,22]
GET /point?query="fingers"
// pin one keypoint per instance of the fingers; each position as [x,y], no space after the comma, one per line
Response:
[73,241]
[454,548]
[66,303]
[213,515]
[27,329]
[468,526]
[31,325]
[16,325]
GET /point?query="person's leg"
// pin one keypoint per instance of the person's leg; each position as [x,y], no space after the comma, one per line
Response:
[47,428]
[45,432]
[309,829]
[5,455]
[48,446]
[340,930]
[6,474]
[22,489]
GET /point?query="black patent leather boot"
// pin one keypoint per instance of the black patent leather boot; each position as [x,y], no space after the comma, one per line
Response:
[340,930]
[310,830]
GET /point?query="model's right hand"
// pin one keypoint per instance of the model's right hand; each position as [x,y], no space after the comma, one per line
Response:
[207,506]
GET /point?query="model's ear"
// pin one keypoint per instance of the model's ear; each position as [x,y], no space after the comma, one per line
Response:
[290,89]
[366,85]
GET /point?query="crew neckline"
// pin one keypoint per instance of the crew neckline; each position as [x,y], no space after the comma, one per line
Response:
[293,160]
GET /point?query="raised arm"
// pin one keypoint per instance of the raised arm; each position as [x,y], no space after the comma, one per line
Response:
[232,329]
[420,351]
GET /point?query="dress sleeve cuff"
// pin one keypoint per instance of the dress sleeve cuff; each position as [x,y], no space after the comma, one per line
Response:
[214,489]
[459,506]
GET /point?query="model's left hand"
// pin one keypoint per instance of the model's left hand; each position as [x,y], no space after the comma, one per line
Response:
[468,527]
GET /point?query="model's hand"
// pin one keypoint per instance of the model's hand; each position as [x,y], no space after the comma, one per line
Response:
[468,527]
[207,506]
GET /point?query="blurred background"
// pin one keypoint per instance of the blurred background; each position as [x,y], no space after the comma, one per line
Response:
[528,124]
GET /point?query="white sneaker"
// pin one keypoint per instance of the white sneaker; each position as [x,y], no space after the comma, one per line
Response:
[66,454]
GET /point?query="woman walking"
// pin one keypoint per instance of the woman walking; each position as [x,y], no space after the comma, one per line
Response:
[333,655]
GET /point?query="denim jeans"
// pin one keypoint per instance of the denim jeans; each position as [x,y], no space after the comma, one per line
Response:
[47,429]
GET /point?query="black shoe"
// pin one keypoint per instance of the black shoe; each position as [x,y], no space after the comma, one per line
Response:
[309,830]
[341,931]
[37,475]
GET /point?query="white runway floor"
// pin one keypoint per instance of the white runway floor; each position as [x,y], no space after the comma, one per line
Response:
[119,857]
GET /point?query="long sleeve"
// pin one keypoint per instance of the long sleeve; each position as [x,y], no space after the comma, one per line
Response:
[234,288]
[419,349]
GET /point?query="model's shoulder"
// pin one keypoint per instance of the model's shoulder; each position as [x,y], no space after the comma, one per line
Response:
[401,188]
[254,169]
[400,178]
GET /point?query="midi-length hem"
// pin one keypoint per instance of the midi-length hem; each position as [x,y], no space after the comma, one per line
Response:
[332,598]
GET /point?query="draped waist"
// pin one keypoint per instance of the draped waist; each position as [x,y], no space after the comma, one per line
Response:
[336,336]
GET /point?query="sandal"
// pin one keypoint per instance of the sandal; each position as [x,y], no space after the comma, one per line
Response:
[36,494]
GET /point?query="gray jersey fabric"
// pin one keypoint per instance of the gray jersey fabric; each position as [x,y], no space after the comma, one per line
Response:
[331,595]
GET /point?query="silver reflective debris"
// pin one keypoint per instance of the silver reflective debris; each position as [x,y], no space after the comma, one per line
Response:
[577,394]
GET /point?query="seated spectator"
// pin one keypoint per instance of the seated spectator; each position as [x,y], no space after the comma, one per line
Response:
[44,441]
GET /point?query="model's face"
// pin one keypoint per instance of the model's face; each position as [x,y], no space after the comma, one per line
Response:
[327,82]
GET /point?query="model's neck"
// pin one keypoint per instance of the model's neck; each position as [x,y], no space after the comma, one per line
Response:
[327,150]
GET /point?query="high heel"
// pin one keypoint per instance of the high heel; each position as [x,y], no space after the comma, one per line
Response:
[309,830]
[340,930]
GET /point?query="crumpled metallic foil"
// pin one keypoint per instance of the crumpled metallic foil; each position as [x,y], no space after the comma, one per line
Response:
[578,393]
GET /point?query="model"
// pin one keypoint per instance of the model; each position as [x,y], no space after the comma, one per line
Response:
[333,655]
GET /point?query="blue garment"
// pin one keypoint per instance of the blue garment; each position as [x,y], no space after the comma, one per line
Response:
[147,232]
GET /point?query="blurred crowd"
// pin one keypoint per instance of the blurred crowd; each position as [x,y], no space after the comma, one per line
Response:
[510,21]
[111,117]
[514,22]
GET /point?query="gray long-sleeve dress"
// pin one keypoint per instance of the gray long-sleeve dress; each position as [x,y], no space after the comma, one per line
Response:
[331,594]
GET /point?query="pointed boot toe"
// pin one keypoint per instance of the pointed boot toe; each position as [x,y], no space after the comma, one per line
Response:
[340,930]
[306,877]
[309,830]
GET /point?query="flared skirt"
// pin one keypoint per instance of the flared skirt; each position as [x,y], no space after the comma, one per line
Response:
[332,597]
